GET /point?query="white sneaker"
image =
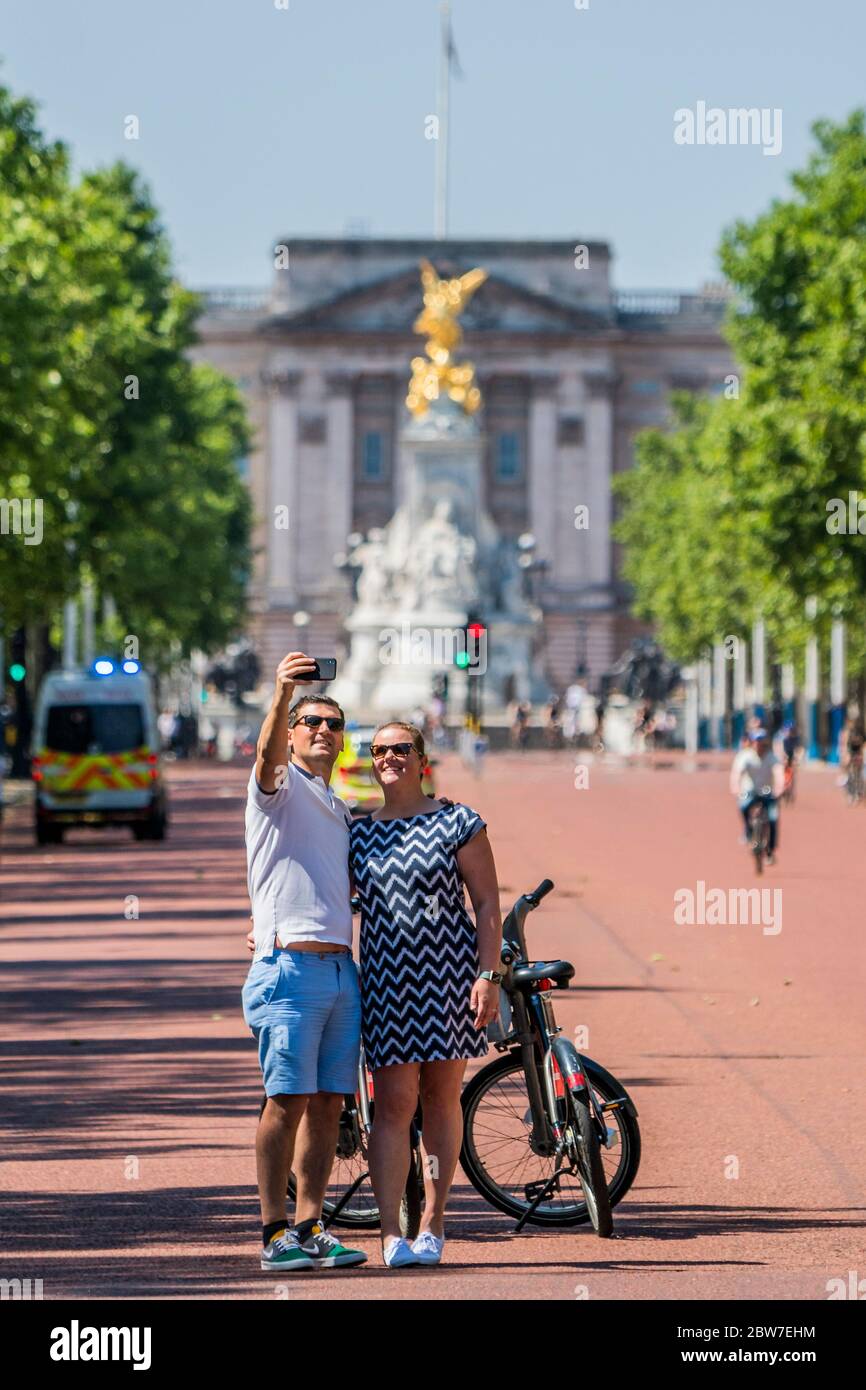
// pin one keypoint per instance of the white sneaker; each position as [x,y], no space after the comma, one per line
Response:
[428,1248]
[397,1252]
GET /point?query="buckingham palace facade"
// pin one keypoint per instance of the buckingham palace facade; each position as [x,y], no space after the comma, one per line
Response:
[569,369]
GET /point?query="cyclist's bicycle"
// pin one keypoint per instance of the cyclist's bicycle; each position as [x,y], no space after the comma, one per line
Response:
[759,829]
[789,786]
[549,1136]
[854,782]
[349,1200]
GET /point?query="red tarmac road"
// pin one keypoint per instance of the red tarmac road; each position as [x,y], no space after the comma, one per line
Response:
[130,1084]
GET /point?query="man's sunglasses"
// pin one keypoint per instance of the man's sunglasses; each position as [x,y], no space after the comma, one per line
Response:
[313,721]
[378,750]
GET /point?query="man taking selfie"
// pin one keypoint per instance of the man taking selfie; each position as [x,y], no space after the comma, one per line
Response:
[301,999]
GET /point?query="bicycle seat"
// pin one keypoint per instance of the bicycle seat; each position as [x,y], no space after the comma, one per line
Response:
[531,971]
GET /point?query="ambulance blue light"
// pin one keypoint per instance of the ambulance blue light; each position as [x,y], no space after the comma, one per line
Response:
[103,667]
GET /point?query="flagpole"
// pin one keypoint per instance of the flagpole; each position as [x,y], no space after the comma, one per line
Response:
[441,199]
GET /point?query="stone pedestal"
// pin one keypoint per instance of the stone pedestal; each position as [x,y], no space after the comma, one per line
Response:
[438,563]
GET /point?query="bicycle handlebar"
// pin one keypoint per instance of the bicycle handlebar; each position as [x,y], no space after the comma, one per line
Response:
[544,887]
[514,941]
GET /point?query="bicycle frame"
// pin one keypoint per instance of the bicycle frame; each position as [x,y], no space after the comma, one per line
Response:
[536,1034]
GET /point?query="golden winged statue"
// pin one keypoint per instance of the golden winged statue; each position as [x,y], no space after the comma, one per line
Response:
[438,374]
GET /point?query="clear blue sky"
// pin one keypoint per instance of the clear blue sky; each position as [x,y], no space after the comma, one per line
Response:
[259,123]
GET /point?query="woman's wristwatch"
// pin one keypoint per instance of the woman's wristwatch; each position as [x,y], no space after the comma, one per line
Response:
[492,975]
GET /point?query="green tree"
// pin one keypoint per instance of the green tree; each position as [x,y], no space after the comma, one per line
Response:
[751,478]
[132,448]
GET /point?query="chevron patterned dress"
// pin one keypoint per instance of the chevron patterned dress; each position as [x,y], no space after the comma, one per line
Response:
[419,949]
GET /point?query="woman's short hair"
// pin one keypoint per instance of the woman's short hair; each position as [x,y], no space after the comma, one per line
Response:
[412,730]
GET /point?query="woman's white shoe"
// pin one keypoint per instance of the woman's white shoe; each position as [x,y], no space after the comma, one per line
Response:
[397,1252]
[427,1248]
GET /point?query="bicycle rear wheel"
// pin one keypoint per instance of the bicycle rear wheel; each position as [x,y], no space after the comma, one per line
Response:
[499,1161]
[350,1165]
[759,834]
[412,1202]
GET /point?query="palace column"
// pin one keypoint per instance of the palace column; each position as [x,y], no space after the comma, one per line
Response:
[275,626]
[340,412]
[282,387]
[542,463]
[599,386]
[599,452]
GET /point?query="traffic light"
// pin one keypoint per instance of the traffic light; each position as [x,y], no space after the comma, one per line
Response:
[18,656]
[470,654]
[21,718]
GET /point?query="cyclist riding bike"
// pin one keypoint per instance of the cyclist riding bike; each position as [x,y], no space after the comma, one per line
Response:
[851,743]
[790,746]
[756,775]
[791,743]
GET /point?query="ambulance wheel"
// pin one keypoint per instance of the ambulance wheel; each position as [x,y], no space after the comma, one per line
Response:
[152,829]
[49,834]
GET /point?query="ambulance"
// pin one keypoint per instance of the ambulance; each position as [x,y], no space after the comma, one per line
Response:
[95,755]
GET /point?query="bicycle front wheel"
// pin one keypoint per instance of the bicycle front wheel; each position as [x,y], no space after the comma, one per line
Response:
[499,1161]
[592,1175]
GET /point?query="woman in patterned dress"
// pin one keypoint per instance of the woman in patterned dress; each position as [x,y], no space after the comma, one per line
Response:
[425,1002]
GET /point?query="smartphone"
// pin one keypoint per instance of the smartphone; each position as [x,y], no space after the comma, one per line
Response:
[326,669]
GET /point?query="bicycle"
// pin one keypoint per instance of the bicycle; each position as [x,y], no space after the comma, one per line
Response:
[541,1096]
[759,830]
[563,1130]
[854,780]
[789,786]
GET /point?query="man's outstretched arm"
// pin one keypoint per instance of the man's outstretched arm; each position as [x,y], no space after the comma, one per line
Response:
[272,749]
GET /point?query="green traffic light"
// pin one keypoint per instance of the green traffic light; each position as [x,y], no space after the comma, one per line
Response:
[17,671]
[462,660]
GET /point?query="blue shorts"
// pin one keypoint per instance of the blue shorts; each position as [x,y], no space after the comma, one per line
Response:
[304,1010]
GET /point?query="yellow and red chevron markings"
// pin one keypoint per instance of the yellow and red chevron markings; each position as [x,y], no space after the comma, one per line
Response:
[87,772]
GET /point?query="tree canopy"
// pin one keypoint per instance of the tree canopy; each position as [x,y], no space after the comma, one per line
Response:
[725,517]
[132,449]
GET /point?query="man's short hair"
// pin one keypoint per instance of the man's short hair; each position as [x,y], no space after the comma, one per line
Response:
[313,700]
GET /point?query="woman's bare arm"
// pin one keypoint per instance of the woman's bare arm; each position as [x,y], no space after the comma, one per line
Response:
[478,868]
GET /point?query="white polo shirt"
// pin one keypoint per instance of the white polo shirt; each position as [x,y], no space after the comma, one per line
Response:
[754,773]
[298,863]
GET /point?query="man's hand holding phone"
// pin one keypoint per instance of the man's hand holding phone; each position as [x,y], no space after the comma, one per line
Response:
[294,669]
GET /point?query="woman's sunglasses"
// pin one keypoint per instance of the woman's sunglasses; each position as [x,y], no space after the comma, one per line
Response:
[313,721]
[378,750]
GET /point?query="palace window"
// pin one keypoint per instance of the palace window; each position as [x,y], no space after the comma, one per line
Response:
[372,456]
[508,468]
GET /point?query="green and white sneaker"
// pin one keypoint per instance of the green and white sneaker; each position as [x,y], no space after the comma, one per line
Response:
[327,1253]
[284,1254]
